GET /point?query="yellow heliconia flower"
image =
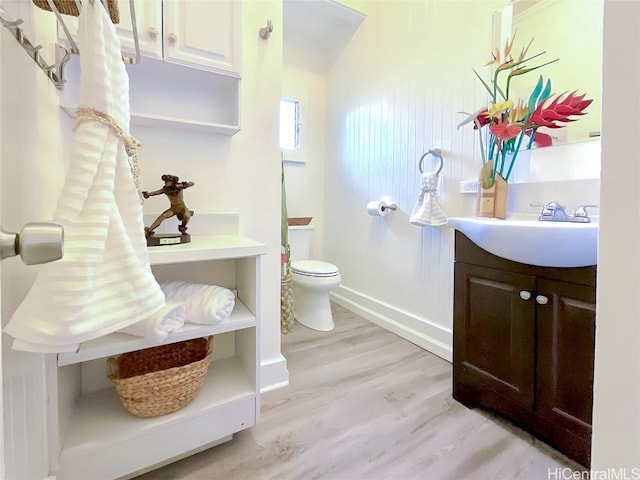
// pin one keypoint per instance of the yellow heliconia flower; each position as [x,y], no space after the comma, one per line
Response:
[497,108]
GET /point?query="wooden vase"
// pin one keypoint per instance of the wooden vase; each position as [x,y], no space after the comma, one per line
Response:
[492,200]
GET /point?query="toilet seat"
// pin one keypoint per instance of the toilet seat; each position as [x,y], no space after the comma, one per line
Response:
[314,268]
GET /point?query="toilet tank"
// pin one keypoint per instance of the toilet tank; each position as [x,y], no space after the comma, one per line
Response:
[300,242]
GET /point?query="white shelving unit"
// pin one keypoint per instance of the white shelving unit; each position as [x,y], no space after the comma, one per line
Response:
[173,96]
[187,78]
[98,438]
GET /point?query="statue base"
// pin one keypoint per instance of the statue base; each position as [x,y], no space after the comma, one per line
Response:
[159,239]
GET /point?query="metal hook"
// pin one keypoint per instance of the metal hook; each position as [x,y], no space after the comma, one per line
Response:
[437,153]
[265,32]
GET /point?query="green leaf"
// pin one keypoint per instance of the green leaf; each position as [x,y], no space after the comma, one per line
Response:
[483,82]
[546,93]
[533,99]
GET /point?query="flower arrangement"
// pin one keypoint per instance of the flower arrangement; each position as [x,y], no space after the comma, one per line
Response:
[509,121]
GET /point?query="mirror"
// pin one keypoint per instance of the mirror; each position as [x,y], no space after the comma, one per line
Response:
[570,31]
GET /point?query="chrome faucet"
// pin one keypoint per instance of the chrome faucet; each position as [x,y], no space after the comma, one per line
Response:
[554,212]
[581,212]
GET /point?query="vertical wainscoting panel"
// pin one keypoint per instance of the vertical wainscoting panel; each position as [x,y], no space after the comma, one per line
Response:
[396,91]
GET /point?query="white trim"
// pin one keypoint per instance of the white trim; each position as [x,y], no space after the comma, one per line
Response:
[420,331]
[273,374]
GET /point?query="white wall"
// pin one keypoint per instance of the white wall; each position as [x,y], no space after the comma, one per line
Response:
[305,182]
[32,171]
[240,174]
[616,411]
[237,174]
[394,93]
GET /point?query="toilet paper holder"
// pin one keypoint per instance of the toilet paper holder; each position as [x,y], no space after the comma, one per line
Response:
[381,208]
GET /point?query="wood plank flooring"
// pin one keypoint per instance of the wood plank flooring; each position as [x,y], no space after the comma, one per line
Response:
[365,404]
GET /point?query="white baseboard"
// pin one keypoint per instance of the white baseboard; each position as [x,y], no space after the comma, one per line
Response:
[420,331]
[273,374]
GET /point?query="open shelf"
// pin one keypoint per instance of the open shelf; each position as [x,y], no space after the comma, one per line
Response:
[172,123]
[218,247]
[191,99]
[103,436]
[117,343]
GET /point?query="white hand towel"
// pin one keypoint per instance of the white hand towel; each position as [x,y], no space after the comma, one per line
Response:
[427,210]
[205,304]
[159,326]
[104,281]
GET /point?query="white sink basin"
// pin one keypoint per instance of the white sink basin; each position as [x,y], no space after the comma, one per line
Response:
[546,244]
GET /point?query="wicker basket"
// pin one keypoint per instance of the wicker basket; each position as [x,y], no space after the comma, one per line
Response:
[69,7]
[160,380]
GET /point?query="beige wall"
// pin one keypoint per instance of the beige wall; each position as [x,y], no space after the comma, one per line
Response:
[616,410]
[571,32]
[305,182]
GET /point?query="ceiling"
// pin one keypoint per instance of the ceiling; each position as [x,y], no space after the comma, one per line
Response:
[316,31]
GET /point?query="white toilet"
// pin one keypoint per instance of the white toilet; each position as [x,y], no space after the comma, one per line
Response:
[312,281]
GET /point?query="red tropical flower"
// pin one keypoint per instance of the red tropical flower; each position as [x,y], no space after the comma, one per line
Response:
[481,120]
[560,109]
[505,131]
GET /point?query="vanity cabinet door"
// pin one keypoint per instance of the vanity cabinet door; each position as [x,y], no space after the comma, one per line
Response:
[202,33]
[565,355]
[494,332]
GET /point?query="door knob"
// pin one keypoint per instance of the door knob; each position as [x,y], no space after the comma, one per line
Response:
[525,295]
[38,242]
[172,37]
[542,300]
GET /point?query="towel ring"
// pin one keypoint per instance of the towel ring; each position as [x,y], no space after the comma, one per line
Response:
[436,152]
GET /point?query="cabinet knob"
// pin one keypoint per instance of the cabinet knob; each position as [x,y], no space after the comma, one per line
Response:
[542,300]
[525,295]
[153,32]
[172,37]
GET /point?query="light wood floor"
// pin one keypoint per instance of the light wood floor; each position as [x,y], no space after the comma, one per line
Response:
[364,404]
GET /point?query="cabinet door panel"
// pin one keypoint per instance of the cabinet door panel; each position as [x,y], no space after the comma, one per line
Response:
[494,331]
[149,22]
[203,33]
[566,341]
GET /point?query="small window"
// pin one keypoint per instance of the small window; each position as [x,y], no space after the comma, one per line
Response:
[289,124]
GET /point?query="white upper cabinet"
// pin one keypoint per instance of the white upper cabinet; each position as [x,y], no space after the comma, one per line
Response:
[149,21]
[188,77]
[203,34]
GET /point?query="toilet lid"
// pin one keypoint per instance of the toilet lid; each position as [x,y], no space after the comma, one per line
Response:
[314,268]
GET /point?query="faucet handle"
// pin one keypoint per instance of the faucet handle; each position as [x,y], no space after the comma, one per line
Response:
[581,211]
[549,208]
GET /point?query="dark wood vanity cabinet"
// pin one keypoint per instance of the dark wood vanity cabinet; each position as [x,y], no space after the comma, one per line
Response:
[523,345]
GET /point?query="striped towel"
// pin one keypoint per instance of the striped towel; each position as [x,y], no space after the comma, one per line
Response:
[104,281]
[427,211]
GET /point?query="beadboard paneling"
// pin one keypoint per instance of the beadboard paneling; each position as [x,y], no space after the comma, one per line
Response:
[395,92]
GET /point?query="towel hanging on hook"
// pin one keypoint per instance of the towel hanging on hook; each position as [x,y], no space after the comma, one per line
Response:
[427,210]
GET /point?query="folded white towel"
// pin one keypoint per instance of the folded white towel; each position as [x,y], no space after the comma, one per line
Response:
[205,304]
[158,327]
